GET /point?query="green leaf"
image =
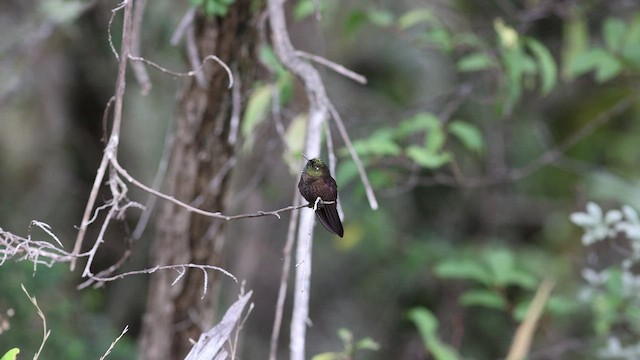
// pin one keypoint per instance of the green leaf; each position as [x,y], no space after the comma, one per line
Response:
[426,158]
[415,17]
[631,48]
[382,18]
[464,269]
[257,108]
[546,65]
[269,58]
[521,278]
[11,354]
[367,344]
[613,31]
[576,41]
[419,122]
[303,9]
[475,62]
[484,298]
[427,325]
[468,134]
[500,262]
[608,68]
[354,22]
[328,356]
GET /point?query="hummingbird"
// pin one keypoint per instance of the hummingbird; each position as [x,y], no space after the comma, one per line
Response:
[316,182]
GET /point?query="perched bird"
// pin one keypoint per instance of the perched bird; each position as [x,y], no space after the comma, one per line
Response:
[316,182]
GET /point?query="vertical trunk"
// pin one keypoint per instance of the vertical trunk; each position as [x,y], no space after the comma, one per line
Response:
[200,151]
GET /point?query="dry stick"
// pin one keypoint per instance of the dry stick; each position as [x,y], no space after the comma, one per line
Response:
[112,146]
[138,70]
[334,66]
[318,113]
[46,332]
[124,331]
[193,72]
[522,340]
[196,210]
[354,155]
[284,279]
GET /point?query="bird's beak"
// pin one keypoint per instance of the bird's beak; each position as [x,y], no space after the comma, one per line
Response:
[305,156]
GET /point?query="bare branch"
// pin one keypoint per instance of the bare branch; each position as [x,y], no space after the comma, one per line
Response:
[138,70]
[334,66]
[284,279]
[124,331]
[193,72]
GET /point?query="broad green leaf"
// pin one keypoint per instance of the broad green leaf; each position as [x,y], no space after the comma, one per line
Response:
[575,43]
[328,356]
[608,68]
[521,278]
[434,139]
[468,39]
[468,134]
[427,325]
[382,18]
[415,17]
[464,269]
[354,21]
[546,65]
[514,61]
[500,262]
[367,344]
[428,159]
[270,59]
[475,62]
[613,31]
[631,47]
[11,354]
[305,8]
[419,122]
[484,298]
[294,137]
[258,107]
[440,37]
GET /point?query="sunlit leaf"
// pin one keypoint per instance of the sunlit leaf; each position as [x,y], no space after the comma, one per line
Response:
[426,158]
[484,298]
[258,107]
[11,354]
[475,62]
[378,17]
[327,356]
[501,263]
[464,269]
[415,17]
[575,42]
[468,134]
[613,31]
[427,325]
[546,65]
[367,344]
[306,8]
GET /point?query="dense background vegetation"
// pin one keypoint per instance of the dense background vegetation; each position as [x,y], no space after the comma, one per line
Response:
[486,128]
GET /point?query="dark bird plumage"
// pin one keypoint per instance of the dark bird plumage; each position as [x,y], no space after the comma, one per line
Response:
[316,181]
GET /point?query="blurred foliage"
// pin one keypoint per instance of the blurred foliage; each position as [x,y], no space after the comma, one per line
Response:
[351,347]
[460,95]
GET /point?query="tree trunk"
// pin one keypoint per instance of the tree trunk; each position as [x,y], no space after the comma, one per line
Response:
[198,174]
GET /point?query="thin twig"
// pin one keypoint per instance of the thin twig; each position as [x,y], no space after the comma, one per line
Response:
[46,332]
[112,146]
[138,70]
[284,279]
[340,69]
[196,210]
[124,331]
[193,72]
